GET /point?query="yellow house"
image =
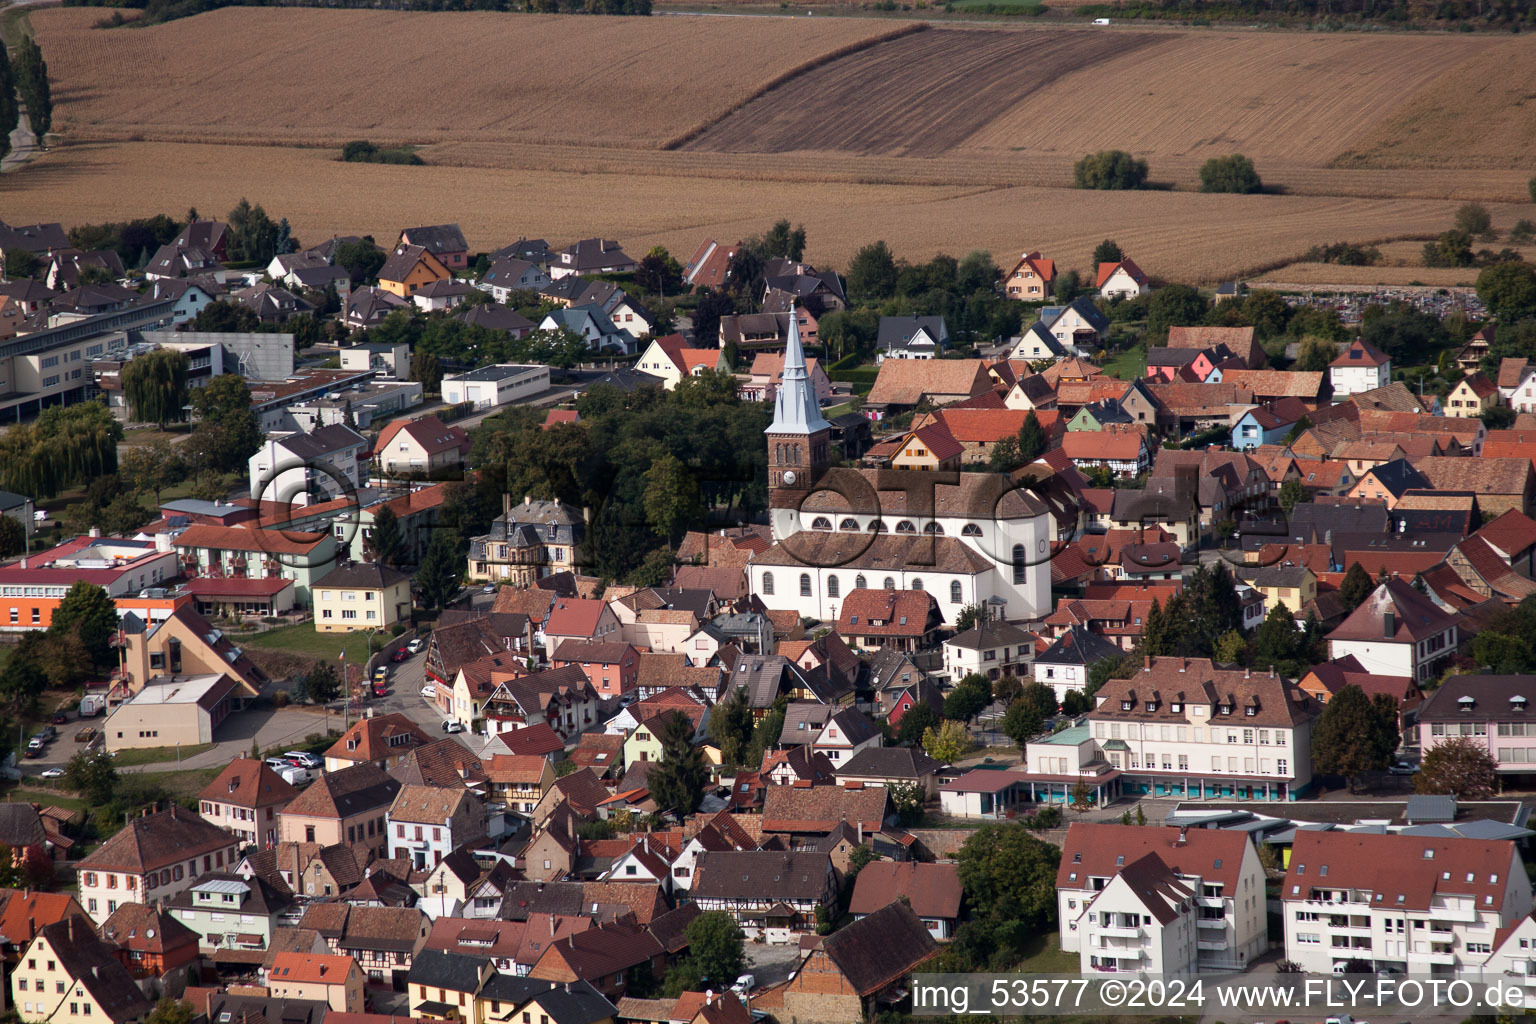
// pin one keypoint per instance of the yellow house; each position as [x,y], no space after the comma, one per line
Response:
[335,980]
[931,448]
[363,595]
[505,998]
[67,975]
[1290,585]
[1472,396]
[410,268]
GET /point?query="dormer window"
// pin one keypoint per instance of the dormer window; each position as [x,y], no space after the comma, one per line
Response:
[1517,703]
[1465,703]
[1224,709]
[1125,705]
[1176,708]
[1250,710]
[1151,706]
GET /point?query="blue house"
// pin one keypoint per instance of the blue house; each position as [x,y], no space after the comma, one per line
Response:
[1267,424]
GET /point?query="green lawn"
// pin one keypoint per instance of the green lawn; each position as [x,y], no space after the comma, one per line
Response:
[305,640]
[154,755]
[1045,957]
[1127,365]
[46,798]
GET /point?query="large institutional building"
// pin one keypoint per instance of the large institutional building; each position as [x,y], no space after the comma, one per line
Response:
[965,538]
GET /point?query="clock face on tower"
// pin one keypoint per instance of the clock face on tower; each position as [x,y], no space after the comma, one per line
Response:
[789,477]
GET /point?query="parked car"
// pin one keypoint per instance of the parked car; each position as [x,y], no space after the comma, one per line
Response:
[52,773]
[47,734]
[35,749]
[277,764]
[1404,768]
[489,588]
[400,655]
[380,688]
[452,726]
[60,717]
[380,672]
[429,691]
[416,646]
[40,516]
[303,759]
[744,984]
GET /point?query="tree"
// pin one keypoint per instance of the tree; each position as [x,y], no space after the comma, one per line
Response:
[427,371]
[1032,439]
[88,612]
[323,682]
[970,615]
[1315,354]
[872,274]
[1474,219]
[21,264]
[716,951]
[677,782]
[171,1011]
[1231,646]
[155,386]
[706,317]
[968,699]
[730,726]
[13,537]
[672,498]
[23,679]
[1353,735]
[1278,644]
[916,722]
[1459,767]
[1356,586]
[1509,290]
[1177,305]
[1452,249]
[92,775]
[947,743]
[227,433]
[438,576]
[1497,417]
[1005,457]
[1007,873]
[1026,716]
[1292,493]
[386,539]
[782,242]
[1106,252]
[658,272]
[907,801]
[32,83]
[152,467]
[251,233]
[1109,169]
[1233,173]
[10,110]
[362,260]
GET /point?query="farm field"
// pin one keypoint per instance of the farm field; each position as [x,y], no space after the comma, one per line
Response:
[1199,237]
[935,139]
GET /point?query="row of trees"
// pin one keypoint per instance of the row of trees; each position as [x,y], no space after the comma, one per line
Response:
[28,79]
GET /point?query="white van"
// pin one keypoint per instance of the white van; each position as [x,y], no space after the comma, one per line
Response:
[1101,21]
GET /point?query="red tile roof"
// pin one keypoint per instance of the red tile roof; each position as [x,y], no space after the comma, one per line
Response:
[885,613]
[575,616]
[1406,872]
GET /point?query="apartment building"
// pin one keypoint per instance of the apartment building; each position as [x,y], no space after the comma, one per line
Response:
[1182,727]
[426,824]
[246,798]
[1494,712]
[308,468]
[32,587]
[1160,900]
[153,857]
[1416,904]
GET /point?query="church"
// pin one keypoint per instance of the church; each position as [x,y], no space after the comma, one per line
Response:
[965,538]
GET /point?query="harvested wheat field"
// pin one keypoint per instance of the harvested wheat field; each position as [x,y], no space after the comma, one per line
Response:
[1181,235]
[920,95]
[304,76]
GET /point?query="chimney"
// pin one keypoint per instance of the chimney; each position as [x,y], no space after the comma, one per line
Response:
[506,504]
[95,531]
[1147,664]
[1389,624]
[1183,835]
[527,499]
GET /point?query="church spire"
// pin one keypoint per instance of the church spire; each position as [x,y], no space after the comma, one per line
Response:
[795,409]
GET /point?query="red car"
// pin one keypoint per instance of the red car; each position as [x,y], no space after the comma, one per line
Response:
[401,655]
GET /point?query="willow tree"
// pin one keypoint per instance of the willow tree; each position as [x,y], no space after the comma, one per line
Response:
[155,387]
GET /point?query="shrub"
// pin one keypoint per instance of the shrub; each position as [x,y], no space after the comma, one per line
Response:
[1111,169]
[1233,173]
[1345,254]
[1523,231]
[361,151]
[280,699]
[1474,219]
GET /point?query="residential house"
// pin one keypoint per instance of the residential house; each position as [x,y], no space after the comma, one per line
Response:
[1121,279]
[556,1002]
[362,596]
[303,469]
[891,766]
[1066,663]
[423,446]
[410,268]
[1079,327]
[1501,485]
[149,941]
[847,731]
[993,648]
[154,856]
[444,986]
[1442,901]
[513,275]
[25,912]
[604,957]
[426,823]
[384,941]
[1217,869]
[801,811]
[902,384]
[931,890]
[1487,710]
[336,981]
[772,893]
[1294,586]
[710,265]
[228,912]
[1121,449]
[1240,341]
[930,448]
[591,256]
[594,325]
[1229,731]
[1387,482]
[767,373]
[585,620]
[528,542]
[1472,396]
[846,976]
[905,620]
[1325,680]
[246,798]
[611,667]
[1360,367]
[672,360]
[67,964]
[344,805]
[1267,424]
[444,241]
[1032,279]
[911,337]
[1397,631]
[519,781]
[384,740]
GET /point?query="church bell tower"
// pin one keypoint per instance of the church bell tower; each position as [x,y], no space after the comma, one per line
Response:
[799,439]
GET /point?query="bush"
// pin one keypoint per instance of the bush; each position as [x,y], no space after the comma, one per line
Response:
[1233,173]
[1451,249]
[280,699]
[1345,254]
[398,628]
[361,151]
[1523,231]
[1111,169]
[1474,219]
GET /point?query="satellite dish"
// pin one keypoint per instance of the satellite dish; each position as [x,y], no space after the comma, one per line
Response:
[149,933]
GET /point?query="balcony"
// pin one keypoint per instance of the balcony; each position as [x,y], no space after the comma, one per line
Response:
[1213,902]
[1211,922]
[1120,954]
[1445,956]
[1120,931]
[1464,914]
[1212,944]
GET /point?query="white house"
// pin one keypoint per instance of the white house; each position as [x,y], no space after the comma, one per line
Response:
[513,275]
[1064,666]
[671,359]
[427,823]
[991,648]
[1360,367]
[1396,631]
[1160,900]
[302,469]
[1413,903]
[847,732]
[911,337]
[1122,279]
[1037,343]
[491,386]
[1079,327]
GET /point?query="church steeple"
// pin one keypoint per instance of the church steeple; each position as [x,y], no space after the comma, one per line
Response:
[799,437]
[795,409]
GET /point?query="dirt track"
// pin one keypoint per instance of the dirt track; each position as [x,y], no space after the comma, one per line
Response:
[921,95]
